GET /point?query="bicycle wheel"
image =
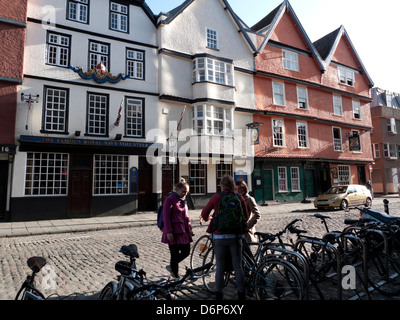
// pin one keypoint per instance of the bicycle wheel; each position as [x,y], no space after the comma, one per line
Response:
[109,291]
[199,250]
[383,274]
[209,279]
[277,279]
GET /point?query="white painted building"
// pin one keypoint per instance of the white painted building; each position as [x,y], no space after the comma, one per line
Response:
[206,64]
[72,158]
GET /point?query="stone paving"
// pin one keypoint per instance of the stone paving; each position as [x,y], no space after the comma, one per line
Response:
[83,260]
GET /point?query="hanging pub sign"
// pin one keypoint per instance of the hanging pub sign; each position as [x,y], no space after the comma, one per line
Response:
[99,74]
[354,142]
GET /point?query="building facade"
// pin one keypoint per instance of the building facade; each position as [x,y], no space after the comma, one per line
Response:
[12,30]
[313,108]
[81,150]
[385,113]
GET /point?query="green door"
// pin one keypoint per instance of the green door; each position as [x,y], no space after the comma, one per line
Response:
[310,183]
[268,185]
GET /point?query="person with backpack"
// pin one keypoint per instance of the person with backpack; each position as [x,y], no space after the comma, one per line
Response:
[252,209]
[228,226]
[177,229]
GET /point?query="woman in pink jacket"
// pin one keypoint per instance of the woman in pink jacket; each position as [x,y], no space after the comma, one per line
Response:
[177,230]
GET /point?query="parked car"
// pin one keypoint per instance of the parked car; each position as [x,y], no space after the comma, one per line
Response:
[344,196]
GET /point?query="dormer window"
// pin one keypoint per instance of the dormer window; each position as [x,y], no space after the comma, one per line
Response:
[346,76]
[290,60]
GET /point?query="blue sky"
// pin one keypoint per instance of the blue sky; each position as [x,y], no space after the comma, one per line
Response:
[372,26]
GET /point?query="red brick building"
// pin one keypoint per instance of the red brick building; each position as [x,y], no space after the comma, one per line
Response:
[12,30]
[313,109]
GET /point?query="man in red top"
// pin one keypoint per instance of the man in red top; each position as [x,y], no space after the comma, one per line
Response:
[226,246]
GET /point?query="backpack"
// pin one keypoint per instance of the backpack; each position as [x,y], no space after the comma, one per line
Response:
[230,217]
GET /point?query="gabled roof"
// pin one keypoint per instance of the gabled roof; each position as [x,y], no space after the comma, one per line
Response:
[243,28]
[328,44]
[266,27]
[146,9]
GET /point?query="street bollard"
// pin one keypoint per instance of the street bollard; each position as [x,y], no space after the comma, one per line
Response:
[386,205]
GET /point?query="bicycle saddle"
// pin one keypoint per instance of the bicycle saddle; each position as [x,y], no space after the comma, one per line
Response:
[131,251]
[265,236]
[320,216]
[36,263]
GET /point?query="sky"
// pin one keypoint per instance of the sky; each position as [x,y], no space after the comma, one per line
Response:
[372,26]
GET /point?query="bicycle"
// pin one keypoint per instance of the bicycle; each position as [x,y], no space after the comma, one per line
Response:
[28,289]
[129,278]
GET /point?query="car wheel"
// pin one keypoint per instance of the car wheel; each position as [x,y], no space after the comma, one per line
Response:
[368,203]
[344,205]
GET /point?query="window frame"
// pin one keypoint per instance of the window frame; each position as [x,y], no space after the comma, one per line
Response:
[305,98]
[136,62]
[141,133]
[99,54]
[337,106]
[207,69]
[37,177]
[282,180]
[344,174]
[288,62]
[119,175]
[279,94]
[53,111]
[306,140]
[59,46]
[119,15]
[346,76]
[212,39]
[296,179]
[388,152]
[336,143]
[391,125]
[223,168]
[206,114]
[105,117]
[282,133]
[197,188]
[356,104]
[79,3]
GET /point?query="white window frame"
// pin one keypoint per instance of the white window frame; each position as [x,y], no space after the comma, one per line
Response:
[302,98]
[344,174]
[212,39]
[208,119]
[46,174]
[302,137]
[295,179]
[55,112]
[389,100]
[97,114]
[346,76]
[278,89]
[110,174]
[390,150]
[135,64]
[119,17]
[213,70]
[58,49]
[134,112]
[197,176]
[99,52]
[337,141]
[356,110]
[337,105]
[391,125]
[282,180]
[278,133]
[290,60]
[78,10]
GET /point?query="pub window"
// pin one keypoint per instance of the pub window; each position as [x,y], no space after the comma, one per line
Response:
[46,174]
[97,114]
[55,113]
[197,172]
[111,174]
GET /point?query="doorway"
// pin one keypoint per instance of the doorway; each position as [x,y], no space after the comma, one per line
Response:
[268,185]
[80,186]
[145,186]
[3,188]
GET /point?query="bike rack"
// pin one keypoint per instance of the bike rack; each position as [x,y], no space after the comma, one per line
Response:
[333,250]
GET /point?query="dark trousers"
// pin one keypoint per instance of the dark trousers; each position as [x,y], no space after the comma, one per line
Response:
[178,253]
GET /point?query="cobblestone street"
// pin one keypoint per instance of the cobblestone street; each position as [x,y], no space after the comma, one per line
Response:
[83,262]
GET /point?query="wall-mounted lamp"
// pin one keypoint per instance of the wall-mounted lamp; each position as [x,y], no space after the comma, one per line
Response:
[29,98]
[77,133]
[118,136]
